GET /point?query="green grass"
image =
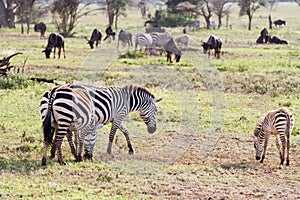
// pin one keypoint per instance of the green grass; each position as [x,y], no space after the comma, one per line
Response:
[202,147]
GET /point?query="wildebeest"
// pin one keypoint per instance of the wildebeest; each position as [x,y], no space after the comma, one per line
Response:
[194,25]
[213,42]
[95,37]
[109,32]
[276,40]
[264,37]
[173,51]
[125,37]
[279,22]
[40,27]
[55,40]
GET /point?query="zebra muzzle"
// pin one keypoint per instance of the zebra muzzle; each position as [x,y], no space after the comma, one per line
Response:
[257,157]
[151,129]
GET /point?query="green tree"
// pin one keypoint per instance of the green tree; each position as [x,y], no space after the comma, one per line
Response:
[248,7]
[115,9]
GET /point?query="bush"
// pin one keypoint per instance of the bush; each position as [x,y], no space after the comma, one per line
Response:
[14,81]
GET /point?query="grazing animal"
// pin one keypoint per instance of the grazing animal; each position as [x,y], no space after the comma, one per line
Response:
[55,40]
[143,40]
[67,109]
[173,51]
[276,40]
[113,104]
[157,29]
[194,25]
[159,40]
[280,123]
[213,42]
[95,37]
[125,37]
[183,41]
[279,23]
[109,33]
[40,27]
[264,37]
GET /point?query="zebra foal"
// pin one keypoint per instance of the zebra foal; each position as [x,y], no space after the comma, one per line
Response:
[64,110]
[280,123]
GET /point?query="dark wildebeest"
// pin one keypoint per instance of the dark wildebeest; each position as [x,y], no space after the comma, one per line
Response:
[109,32]
[173,51]
[279,22]
[55,40]
[213,42]
[125,37]
[264,37]
[276,40]
[95,37]
[40,27]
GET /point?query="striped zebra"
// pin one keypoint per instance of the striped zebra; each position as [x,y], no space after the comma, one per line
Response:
[64,110]
[160,40]
[183,41]
[143,40]
[113,104]
[280,123]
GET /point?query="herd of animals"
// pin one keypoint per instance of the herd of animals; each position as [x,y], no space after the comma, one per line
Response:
[80,109]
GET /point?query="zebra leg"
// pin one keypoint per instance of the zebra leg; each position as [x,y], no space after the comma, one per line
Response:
[265,148]
[278,146]
[126,134]
[283,142]
[89,143]
[81,140]
[288,150]
[53,148]
[58,142]
[71,144]
[112,136]
[45,154]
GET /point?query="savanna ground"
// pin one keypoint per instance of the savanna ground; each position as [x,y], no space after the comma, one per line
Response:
[202,148]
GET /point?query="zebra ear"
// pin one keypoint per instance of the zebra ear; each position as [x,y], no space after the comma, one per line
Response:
[157,100]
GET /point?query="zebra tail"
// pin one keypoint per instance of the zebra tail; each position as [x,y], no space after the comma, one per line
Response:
[47,128]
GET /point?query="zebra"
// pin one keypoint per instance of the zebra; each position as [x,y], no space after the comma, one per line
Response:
[144,40]
[55,40]
[125,37]
[160,40]
[113,104]
[66,109]
[280,123]
[183,41]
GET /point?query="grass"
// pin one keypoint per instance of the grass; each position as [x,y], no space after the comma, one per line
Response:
[202,147]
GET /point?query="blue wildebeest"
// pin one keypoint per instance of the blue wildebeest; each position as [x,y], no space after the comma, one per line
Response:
[125,37]
[279,22]
[55,40]
[264,37]
[276,40]
[95,37]
[213,42]
[173,51]
[40,27]
[109,32]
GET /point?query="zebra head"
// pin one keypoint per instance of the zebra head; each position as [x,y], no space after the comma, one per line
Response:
[258,148]
[148,113]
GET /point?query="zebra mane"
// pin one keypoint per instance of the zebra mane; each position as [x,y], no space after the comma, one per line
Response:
[258,126]
[132,88]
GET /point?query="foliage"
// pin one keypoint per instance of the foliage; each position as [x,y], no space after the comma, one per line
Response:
[170,20]
[115,8]
[14,81]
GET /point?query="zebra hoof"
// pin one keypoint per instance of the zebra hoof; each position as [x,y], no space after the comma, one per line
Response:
[43,162]
[88,156]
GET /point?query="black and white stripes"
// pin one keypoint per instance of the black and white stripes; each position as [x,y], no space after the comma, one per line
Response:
[280,123]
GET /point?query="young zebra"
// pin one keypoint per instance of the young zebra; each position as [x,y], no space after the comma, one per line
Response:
[66,109]
[280,123]
[144,40]
[113,104]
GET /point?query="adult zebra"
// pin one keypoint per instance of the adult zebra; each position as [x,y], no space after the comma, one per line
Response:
[113,104]
[160,40]
[66,109]
[280,123]
[143,40]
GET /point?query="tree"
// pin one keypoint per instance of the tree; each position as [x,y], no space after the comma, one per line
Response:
[220,10]
[66,13]
[24,12]
[7,16]
[115,8]
[248,7]
[206,10]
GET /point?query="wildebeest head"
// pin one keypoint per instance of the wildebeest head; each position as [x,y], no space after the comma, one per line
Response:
[205,47]
[47,52]
[91,43]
